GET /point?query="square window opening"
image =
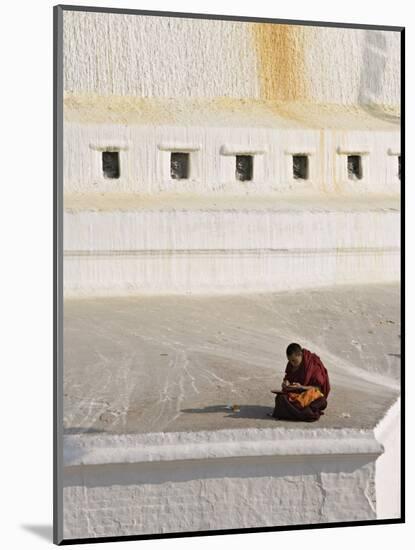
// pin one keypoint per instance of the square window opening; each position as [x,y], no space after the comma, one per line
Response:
[300,167]
[244,167]
[111,164]
[179,166]
[354,167]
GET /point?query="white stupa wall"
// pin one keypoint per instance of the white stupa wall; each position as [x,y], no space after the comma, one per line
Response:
[144,158]
[214,273]
[151,56]
[146,86]
[227,251]
[181,230]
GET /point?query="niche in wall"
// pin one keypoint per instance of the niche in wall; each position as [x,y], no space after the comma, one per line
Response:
[354,167]
[111,164]
[244,167]
[300,167]
[179,165]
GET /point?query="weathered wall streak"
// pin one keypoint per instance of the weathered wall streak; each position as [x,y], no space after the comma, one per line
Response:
[145,84]
[281,68]
[150,56]
[329,65]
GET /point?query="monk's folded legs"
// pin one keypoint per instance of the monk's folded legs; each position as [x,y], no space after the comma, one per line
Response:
[286,410]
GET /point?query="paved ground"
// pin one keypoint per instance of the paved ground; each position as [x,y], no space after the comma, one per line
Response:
[173,363]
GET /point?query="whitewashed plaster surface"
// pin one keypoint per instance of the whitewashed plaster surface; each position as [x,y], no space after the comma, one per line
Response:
[144,153]
[388,465]
[149,56]
[160,483]
[227,251]
[150,88]
[116,500]
[232,230]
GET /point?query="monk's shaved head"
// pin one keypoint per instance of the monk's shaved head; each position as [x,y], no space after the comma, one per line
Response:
[294,349]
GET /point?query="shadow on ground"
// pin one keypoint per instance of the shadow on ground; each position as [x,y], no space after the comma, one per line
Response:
[246,411]
[43,531]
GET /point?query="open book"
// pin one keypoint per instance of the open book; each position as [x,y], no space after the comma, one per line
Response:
[298,389]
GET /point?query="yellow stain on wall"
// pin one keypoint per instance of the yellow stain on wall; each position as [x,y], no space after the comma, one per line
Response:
[281,65]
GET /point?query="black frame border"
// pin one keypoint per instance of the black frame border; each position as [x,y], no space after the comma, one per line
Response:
[58,273]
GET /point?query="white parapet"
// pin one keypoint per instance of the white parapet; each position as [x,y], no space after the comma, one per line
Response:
[128,484]
[388,466]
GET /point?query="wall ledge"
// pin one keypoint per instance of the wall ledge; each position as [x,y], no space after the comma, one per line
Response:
[92,449]
[233,150]
[178,146]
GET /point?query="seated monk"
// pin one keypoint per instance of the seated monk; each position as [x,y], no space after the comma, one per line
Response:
[304,389]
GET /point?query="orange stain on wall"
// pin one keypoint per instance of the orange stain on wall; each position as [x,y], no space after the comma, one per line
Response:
[280,53]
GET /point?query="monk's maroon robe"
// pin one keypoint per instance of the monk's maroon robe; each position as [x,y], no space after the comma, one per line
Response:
[311,372]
